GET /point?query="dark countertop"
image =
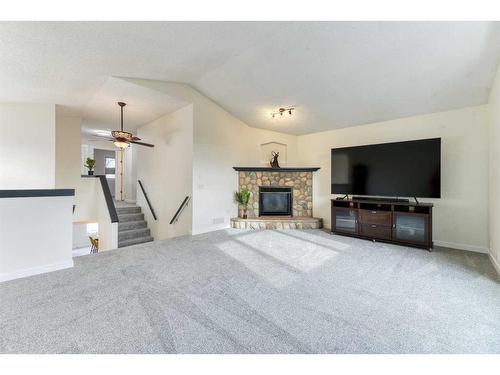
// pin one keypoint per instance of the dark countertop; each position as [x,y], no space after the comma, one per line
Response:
[27,193]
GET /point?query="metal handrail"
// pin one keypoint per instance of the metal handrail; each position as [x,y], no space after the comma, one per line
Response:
[113,215]
[147,200]
[179,210]
[109,199]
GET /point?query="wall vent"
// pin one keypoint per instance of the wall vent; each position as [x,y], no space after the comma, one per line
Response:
[218,220]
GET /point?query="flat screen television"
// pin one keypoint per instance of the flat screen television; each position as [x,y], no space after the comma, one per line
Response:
[400,169]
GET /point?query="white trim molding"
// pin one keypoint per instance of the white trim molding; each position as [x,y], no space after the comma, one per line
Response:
[495,263]
[451,245]
[459,246]
[81,251]
[36,270]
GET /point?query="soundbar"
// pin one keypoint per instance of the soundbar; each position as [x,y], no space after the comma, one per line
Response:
[377,199]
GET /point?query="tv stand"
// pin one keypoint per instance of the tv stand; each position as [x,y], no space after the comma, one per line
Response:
[386,220]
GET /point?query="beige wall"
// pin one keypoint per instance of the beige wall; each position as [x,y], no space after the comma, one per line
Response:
[68,169]
[494,171]
[461,215]
[220,141]
[27,146]
[129,173]
[202,142]
[166,171]
[68,141]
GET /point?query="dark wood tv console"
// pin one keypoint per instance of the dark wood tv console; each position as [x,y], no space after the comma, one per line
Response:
[401,223]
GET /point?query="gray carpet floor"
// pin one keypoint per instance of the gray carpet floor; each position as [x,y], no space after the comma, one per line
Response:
[234,291]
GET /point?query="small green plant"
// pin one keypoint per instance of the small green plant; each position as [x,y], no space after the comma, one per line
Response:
[89,164]
[242,197]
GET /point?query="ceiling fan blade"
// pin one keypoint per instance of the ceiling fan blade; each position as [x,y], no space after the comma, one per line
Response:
[143,144]
[100,139]
[136,139]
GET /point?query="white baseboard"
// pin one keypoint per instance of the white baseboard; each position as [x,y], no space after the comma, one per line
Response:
[36,270]
[459,246]
[81,251]
[495,264]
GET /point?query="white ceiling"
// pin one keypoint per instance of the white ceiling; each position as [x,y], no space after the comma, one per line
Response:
[338,74]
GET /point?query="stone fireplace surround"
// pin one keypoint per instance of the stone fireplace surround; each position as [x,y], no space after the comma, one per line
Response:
[298,179]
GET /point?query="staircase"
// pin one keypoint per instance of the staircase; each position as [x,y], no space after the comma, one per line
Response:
[132,228]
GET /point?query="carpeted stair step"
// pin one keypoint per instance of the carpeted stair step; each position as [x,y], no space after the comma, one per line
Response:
[128,210]
[134,241]
[134,233]
[130,217]
[132,228]
[129,225]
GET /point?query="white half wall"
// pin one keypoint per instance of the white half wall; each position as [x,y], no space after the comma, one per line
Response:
[460,217]
[35,235]
[27,146]
[494,171]
[80,237]
[166,171]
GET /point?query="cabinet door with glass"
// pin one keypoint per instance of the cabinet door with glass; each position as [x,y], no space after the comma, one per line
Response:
[345,220]
[412,228]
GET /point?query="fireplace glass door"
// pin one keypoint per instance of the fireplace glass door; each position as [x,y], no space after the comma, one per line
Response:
[275,201]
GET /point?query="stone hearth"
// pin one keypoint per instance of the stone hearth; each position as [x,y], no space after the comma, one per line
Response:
[277,222]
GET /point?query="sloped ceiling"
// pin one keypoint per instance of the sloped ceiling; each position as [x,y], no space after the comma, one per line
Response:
[102,112]
[337,74]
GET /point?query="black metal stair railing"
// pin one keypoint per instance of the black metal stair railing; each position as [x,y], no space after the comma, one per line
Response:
[147,200]
[107,196]
[179,210]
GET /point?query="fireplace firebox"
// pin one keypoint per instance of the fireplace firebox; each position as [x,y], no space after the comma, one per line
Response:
[275,201]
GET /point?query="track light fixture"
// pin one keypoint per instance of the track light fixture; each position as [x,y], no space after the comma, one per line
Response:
[282,110]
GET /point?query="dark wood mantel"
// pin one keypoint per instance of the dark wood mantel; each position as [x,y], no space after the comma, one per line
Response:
[269,169]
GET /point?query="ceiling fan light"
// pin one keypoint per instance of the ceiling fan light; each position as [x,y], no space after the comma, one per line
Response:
[121,144]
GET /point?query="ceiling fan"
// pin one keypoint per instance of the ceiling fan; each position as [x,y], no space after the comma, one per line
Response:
[123,139]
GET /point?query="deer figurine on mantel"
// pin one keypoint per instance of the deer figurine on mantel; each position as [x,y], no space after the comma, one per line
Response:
[274,161]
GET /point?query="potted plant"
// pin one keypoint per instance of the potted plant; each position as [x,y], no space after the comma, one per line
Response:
[89,164]
[242,197]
